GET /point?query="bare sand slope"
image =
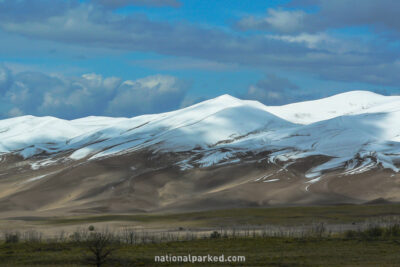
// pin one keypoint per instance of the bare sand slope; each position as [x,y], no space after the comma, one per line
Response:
[146,182]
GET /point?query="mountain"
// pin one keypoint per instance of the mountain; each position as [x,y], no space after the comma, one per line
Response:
[224,152]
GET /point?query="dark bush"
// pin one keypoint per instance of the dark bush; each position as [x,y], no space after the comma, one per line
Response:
[374,232]
[392,231]
[215,234]
[12,237]
[351,234]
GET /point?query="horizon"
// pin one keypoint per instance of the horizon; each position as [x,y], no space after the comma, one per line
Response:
[203,101]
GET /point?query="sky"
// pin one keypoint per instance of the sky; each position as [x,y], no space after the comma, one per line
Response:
[71,58]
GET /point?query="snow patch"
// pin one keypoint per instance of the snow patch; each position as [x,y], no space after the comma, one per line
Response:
[271,180]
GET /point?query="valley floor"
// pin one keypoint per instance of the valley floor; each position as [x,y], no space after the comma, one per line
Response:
[339,216]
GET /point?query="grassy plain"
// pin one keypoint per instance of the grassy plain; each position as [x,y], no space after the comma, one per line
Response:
[273,251]
[362,247]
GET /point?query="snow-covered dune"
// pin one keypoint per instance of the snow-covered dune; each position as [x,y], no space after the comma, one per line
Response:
[222,119]
[355,125]
[26,134]
[349,103]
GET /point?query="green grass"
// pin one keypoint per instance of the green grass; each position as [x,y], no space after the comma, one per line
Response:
[372,247]
[286,216]
[258,252]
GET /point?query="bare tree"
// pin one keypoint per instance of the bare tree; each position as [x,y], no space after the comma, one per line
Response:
[100,246]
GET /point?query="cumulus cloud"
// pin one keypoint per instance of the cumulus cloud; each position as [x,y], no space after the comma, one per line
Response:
[152,94]
[41,94]
[379,15]
[152,3]
[285,21]
[80,96]
[273,90]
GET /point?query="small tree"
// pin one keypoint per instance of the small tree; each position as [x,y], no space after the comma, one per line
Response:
[215,234]
[100,246]
[10,237]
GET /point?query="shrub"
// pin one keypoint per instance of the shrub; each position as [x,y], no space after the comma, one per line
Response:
[12,237]
[351,234]
[373,232]
[393,230]
[215,234]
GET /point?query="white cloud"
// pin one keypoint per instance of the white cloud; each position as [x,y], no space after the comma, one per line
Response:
[286,21]
[323,41]
[148,95]
[39,94]
[310,40]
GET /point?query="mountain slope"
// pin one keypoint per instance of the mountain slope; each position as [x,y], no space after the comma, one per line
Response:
[224,151]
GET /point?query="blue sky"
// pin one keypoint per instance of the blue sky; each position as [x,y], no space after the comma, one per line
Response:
[70,58]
